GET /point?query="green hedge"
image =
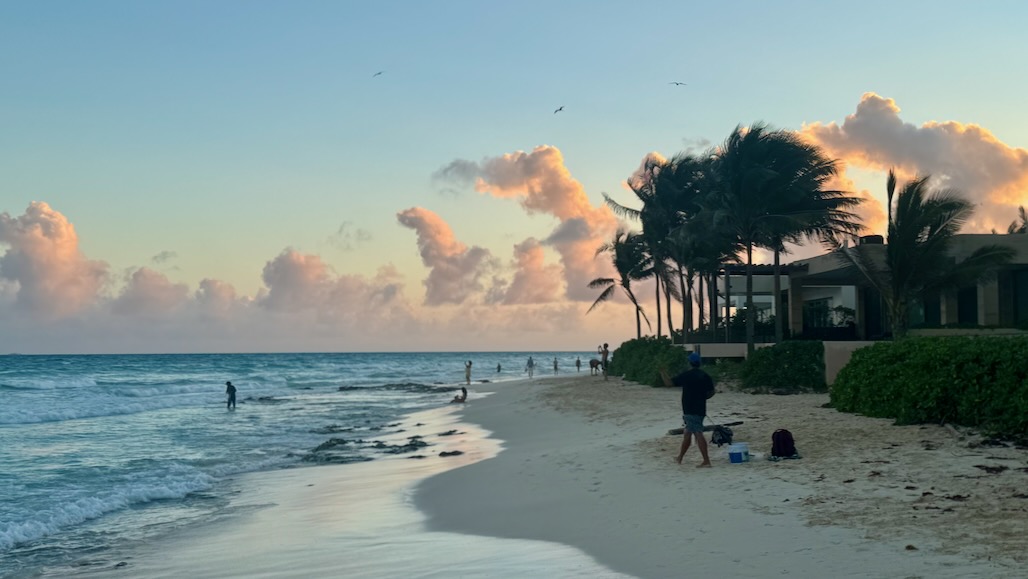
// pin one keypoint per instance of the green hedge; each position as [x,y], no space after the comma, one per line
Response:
[642,359]
[792,366]
[972,381]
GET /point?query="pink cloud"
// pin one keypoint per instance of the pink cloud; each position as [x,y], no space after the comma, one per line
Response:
[542,184]
[148,293]
[963,156]
[54,278]
[455,269]
[534,281]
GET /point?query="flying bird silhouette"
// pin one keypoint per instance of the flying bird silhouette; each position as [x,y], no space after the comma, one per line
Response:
[377,73]
[676,83]
[559,109]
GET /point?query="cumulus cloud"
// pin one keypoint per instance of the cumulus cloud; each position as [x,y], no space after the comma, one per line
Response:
[149,293]
[964,156]
[534,281]
[542,184]
[54,278]
[455,270]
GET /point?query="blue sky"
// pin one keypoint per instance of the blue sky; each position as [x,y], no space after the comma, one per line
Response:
[225,132]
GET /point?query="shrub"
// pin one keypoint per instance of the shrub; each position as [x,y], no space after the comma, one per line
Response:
[642,359]
[972,381]
[791,366]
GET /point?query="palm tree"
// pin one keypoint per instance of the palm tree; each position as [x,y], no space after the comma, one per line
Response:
[630,261]
[771,190]
[658,213]
[916,255]
[1021,227]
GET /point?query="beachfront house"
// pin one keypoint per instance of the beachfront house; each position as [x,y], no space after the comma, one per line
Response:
[824,298]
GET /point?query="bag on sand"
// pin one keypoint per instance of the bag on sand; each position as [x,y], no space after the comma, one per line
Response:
[721,435]
[782,445]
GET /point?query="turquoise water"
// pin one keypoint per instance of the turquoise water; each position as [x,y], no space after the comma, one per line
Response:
[98,451]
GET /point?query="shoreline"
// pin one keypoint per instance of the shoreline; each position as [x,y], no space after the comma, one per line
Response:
[587,463]
[352,520]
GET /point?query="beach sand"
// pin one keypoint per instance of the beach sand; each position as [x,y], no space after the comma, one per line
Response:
[587,463]
[575,477]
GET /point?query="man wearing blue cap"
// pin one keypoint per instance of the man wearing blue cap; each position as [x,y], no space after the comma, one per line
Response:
[697,386]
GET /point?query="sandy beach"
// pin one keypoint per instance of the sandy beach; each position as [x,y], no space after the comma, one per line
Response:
[575,477]
[587,463]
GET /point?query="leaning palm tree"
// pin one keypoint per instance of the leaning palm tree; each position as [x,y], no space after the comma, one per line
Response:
[658,213]
[916,257]
[629,258]
[771,190]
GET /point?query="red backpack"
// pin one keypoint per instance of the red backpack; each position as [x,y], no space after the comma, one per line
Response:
[782,444]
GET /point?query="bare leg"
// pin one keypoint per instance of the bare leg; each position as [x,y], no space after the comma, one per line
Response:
[701,442]
[686,441]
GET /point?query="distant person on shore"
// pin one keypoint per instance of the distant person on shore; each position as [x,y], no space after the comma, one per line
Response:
[697,386]
[604,359]
[530,367]
[498,368]
[467,371]
[578,364]
[554,366]
[230,390]
[462,397]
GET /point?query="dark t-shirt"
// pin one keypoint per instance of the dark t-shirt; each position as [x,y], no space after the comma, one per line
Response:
[696,385]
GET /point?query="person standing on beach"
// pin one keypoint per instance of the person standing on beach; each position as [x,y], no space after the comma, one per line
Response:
[604,358]
[554,366]
[697,386]
[578,364]
[497,368]
[467,371]
[530,367]
[230,390]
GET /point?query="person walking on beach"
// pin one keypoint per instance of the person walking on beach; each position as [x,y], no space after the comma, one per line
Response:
[530,367]
[578,364]
[604,359]
[554,366]
[697,386]
[230,390]
[467,371]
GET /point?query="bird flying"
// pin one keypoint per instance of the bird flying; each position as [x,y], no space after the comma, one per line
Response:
[559,109]
[377,73]
[676,83]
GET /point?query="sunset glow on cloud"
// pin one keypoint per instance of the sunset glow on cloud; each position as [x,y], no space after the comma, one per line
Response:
[542,184]
[43,258]
[967,157]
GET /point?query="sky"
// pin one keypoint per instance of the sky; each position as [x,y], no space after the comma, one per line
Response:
[236,177]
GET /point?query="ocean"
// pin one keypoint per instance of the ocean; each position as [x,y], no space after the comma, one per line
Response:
[101,452]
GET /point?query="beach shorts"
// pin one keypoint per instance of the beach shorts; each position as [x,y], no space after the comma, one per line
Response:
[693,423]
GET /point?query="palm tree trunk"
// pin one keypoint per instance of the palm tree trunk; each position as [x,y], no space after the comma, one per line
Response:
[778,300]
[751,314]
[656,279]
[638,322]
[686,304]
[667,304]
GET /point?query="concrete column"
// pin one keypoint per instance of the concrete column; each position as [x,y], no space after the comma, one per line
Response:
[988,303]
[948,307]
[795,305]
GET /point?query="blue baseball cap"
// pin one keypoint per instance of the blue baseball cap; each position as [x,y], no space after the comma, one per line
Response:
[694,359]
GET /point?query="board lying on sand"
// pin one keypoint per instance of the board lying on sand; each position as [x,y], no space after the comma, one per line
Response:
[706,428]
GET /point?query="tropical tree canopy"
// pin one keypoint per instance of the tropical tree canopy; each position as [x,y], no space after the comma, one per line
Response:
[916,259]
